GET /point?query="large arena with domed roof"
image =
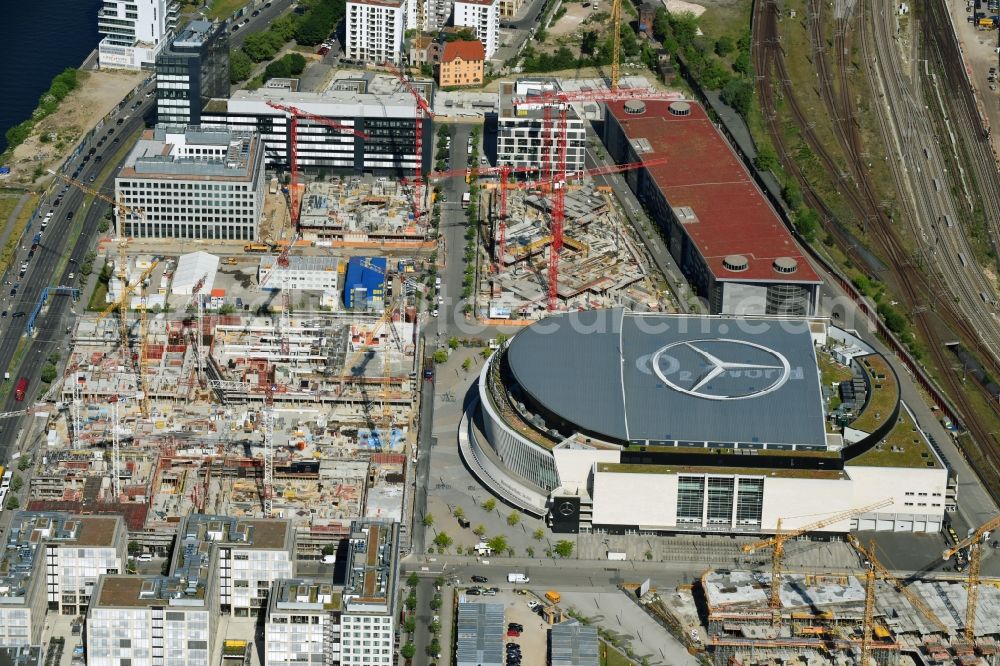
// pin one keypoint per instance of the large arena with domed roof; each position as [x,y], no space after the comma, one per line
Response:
[617,421]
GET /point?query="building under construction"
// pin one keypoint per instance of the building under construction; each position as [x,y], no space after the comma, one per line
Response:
[820,620]
[353,211]
[602,263]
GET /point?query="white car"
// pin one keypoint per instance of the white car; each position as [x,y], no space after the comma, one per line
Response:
[145,557]
[71,276]
[434,312]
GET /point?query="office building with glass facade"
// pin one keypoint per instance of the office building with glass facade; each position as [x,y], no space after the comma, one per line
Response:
[191,70]
[188,182]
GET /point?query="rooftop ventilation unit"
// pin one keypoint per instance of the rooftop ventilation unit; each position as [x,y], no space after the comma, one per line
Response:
[635,107]
[679,109]
[785,265]
[735,263]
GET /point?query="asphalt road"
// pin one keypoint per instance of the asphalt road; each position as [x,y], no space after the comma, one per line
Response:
[258,23]
[51,323]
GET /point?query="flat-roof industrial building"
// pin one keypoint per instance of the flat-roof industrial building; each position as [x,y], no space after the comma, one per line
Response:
[720,229]
[618,421]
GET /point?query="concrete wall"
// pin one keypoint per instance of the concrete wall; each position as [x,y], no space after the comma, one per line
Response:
[645,500]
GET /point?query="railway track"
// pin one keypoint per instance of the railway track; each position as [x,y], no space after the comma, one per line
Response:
[858,190]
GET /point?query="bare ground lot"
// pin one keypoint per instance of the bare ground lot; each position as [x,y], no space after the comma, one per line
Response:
[98,93]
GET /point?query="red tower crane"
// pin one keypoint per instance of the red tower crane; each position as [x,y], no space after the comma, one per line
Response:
[297,114]
[559,101]
[423,109]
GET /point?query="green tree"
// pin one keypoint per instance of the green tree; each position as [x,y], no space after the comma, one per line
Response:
[13,503]
[442,540]
[48,373]
[428,520]
[413,579]
[435,627]
[513,518]
[461,35]
[490,504]
[766,159]
[260,46]
[408,651]
[459,513]
[329,549]
[440,356]
[277,69]
[240,66]
[296,63]
[479,531]
[434,647]
[564,548]
[410,624]
[589,43]
[738,93]
[538,534]
[134,548]
[498,544]
[453,342]
[530,551]
[466,364]
[411,601]
[724,46]
[16,483]
[792,196]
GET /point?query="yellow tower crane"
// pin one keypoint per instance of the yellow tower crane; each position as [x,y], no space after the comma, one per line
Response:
[777,545]
[616,43]
[875,567]
[974,542]
[121,305]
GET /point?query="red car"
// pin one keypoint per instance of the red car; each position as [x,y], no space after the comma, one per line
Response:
[323,50]
[513,633]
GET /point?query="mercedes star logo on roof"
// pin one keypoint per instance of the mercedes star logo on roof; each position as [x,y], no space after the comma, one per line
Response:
[721,368]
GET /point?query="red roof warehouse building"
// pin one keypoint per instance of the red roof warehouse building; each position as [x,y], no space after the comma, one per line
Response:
[721,230]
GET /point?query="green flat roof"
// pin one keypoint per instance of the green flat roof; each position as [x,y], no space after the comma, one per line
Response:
[883,397]
[712,450]
[904,446]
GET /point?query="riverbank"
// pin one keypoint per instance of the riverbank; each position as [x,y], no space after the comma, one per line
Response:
[56,136]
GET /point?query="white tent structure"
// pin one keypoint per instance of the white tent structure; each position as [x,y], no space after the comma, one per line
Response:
[190,269]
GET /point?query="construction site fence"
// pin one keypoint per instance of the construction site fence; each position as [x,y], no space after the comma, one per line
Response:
[731,125]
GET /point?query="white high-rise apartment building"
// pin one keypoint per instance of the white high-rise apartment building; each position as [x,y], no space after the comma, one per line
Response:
[367,629]
[524,138]
[52,560]
[303,624]
[483,16]
[375,30]
[134,32]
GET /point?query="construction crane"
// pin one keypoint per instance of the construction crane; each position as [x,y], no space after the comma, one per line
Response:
[423,109]
[296,115]
[596,171]
[974,542]
[777,545]
[267,418]
[873,567]
[555,127]
[616,43]
[121,305]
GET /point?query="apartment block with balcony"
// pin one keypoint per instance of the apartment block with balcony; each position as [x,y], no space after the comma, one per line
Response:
[374,30]
[53,560]
[134,32]
[368,630]
[510,8]
[483,16]
[252,555]
[524,138]
[303,624]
